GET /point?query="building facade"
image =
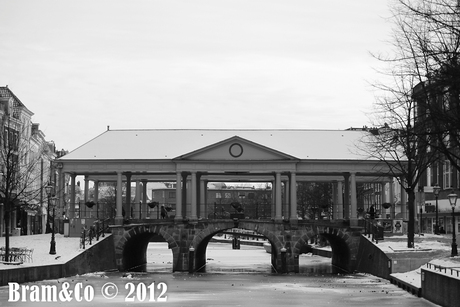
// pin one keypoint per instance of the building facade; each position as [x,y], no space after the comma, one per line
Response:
[25,167]
[437,110]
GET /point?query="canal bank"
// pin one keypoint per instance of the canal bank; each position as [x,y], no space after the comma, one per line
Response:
[76,261]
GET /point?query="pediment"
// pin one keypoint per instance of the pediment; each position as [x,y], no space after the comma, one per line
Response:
[236,148]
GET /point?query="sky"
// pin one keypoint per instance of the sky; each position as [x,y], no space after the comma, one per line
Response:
[81,66]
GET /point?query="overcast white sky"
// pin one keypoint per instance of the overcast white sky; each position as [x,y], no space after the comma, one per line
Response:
[83,65]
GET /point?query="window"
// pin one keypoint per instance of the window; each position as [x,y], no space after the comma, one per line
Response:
[172,195]
[218,195]
[428,177]
[458,179]
[434,170]
[228,195]
[447,174]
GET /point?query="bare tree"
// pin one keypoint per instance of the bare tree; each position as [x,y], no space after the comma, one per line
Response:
[423,36]
[22,176]
[429,32]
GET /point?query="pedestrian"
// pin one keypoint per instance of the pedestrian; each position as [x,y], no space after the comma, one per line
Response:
[164,213]
[372,212]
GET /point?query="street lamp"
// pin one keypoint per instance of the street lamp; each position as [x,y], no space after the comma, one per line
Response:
[436,190]
[453,200]
[49,189]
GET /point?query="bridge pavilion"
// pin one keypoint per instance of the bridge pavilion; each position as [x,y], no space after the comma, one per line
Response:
[196,156]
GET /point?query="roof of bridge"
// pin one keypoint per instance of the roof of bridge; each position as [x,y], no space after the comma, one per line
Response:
[162,144]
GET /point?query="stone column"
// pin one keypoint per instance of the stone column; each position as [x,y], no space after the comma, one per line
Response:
[272,204]
[198,194]
[392,199]
[278,202]
[61,193]
[178,197]
[144,209]
[353,198]
[88,211]
[184,194]
[293,198]
[339,206]
[127,206]
[96,198]
[193,214]
[119,216]
[403,202]
[72,196]
[384,198]
[346,197]
[203,184]
[286,206]
[137,200]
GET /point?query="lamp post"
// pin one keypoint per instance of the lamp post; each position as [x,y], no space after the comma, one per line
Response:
[51,200]
[453,200]
[436,190]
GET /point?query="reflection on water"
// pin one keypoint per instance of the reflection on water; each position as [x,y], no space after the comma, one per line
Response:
[221,258]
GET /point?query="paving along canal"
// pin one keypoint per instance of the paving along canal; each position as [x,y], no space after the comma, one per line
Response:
[233,278]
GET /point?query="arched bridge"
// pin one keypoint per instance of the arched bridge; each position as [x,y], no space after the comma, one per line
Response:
[189,240]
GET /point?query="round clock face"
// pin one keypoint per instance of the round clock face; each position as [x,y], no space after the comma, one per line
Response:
[236,150]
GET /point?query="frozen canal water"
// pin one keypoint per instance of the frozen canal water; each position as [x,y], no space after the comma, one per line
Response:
[233,278]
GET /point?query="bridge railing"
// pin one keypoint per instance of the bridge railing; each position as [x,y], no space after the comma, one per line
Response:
[95,231]
[447,270]
[374,229]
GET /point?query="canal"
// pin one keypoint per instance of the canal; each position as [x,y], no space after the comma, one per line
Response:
[233,278]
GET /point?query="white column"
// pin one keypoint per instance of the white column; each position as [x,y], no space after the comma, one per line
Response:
[346,197]
[193,215]
[403,202]
[278,201]
[353,200]
[286,206]
[72,195]
[178,196]
[61,193]
[143,213]
[137,200]
[128,196]
[88,211]
[119,216]
[273,200]
[293,197]
[392,198]
[339,206]
[203,199]
[384,198]
[96,198]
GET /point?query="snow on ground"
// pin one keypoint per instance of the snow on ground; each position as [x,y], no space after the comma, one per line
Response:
[425,242]
[398,243]
[66,249]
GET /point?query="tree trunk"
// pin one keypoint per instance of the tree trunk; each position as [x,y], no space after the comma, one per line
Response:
[411,223]
[7,233]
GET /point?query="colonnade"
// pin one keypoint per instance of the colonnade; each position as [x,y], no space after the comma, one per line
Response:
[194,207]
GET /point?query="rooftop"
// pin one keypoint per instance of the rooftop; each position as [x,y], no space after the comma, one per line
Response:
[159,144]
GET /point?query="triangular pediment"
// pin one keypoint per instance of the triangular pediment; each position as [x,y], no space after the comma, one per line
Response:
[235,148]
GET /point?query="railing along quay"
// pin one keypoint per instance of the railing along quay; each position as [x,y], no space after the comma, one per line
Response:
[440,268]
[98,229]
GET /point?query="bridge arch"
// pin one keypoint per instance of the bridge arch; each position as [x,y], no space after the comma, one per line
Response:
[341,244]
[189,241]
[202,239]
[131,250]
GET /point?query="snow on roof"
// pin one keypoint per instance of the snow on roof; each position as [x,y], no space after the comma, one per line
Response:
[169,144]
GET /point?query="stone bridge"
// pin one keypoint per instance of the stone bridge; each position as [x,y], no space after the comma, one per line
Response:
[188,242]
